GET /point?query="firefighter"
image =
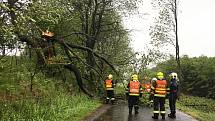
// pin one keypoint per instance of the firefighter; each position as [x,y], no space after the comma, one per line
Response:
[134,91]
[109,86]
[160,90]
[151,96]
[174,94]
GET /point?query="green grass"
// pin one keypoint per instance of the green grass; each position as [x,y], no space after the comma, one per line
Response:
[61,107]
[201,108]
[49,99]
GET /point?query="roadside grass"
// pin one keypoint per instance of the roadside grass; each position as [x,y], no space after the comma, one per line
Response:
[201,108]
[61,107]
[49,99]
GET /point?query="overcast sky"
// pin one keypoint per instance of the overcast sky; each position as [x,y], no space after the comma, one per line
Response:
[196,27]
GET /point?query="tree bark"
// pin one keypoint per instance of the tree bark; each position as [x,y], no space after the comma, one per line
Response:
[176,38]
[77,73]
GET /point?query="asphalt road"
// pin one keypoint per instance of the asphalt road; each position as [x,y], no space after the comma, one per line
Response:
[119,112]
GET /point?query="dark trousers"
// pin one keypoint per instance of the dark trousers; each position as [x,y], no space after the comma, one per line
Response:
[110,94]
[133,101]
[172,101]
[159,106]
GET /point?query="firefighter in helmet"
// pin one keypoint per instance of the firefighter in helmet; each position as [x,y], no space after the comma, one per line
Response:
[159,88]
[134,91]
[109,86]
[173,94]
[151,96]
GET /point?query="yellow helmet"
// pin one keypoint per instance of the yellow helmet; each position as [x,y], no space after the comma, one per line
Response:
[160,75]
[110,76]
[134,77]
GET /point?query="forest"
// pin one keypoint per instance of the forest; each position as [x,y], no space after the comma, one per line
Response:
[197,74]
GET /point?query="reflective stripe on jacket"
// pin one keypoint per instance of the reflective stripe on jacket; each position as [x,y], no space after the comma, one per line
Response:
[173,86]
[161,88]
[109,84]
[134,88]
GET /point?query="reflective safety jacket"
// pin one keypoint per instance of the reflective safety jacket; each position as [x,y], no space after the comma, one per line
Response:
[134,88]
[160,89]
[174,86]
[147,88]
[109,84]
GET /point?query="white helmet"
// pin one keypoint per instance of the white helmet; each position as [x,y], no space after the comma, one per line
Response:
[154,79]
[174,75]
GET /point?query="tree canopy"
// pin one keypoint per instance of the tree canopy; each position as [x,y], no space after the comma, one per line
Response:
[88,36]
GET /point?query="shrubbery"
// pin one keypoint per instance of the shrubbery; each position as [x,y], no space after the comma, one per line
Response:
[198,74]
[201,108]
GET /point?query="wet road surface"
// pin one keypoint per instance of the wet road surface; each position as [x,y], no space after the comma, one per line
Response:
[119,112]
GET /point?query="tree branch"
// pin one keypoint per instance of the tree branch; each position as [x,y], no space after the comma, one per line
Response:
[88,50]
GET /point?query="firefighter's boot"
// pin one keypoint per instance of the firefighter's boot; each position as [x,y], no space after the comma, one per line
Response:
[155,116]
[112,100]
[107,100]
[172,115]
[136,109]
[163,116]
